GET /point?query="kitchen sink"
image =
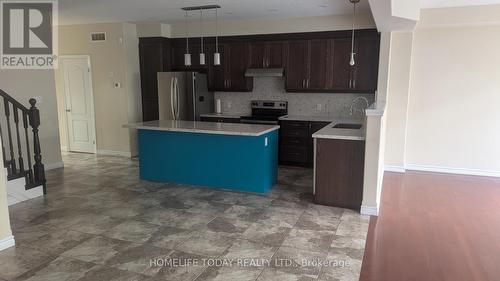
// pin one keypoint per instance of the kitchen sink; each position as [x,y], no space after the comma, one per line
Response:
[347,126]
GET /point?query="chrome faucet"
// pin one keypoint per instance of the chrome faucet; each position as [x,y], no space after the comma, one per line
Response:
[355,102]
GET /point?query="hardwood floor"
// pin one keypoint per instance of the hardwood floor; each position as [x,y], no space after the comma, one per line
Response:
[435,227]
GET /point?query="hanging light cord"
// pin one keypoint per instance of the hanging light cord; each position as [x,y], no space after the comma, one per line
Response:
[187,37]
[353,26]
[216,31]
[201,29]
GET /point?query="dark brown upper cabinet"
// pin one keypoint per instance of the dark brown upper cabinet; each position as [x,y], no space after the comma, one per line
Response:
[307,65]
[230,74]
[365,71]
[342,70]
[216,80]
[266,54]
[319,65]
[362,77]
[296,73]
[235,65]
[154,56]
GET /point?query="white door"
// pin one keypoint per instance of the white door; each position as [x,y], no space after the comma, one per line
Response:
[79,104]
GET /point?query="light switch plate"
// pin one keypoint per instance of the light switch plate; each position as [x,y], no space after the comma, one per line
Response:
[265,141]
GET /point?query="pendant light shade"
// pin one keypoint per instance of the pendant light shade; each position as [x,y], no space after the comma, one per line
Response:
[187,55]
[216,54]
[187,59]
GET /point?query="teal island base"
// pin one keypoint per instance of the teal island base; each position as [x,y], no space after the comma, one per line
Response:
[238,162]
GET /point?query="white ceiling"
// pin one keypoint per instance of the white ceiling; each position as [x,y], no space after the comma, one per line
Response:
[427,4]
[168,11]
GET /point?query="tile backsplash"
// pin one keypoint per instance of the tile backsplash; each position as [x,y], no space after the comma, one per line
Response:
[273,88]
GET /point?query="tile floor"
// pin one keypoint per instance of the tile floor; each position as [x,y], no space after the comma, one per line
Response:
[100,222]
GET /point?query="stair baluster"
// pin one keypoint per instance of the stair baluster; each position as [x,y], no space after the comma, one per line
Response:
[19,147]
[12,161]
[28,152]
[38,167]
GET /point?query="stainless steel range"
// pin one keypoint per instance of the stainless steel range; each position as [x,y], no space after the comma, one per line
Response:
[266,112]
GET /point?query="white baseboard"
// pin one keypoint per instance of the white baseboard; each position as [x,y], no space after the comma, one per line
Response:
[449,170]
[7,242]
[394,169]
[370,211]
[53,166]
[114,153]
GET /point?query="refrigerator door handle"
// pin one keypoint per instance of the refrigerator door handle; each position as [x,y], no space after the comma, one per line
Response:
[172,93]
[176,99]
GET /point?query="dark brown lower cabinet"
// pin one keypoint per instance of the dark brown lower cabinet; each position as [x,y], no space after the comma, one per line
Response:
[339,173]
[295,142]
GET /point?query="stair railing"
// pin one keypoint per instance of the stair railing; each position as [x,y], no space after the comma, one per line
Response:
[19,141]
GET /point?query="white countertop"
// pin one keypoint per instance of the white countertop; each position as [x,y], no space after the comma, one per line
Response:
[222,115]
[204,127]
[328,132]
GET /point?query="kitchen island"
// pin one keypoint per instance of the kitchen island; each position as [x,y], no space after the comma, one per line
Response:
[222,155]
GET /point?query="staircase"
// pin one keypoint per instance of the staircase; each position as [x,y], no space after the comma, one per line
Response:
[25,172]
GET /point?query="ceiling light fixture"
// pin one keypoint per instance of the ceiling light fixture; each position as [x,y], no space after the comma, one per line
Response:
[352,62]
[202,53]
[187,55]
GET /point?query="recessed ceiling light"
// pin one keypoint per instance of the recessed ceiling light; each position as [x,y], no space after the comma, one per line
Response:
[228,13]
[323,6]
[272,10]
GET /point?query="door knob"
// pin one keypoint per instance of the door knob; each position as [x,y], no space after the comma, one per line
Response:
[68,110]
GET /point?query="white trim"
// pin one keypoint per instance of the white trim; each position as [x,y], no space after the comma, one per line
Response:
[114,153]
[450,170]
[376,109]
[94,133]
[394,169]
[64,148]
[53,166]
[7,242]
[370,211]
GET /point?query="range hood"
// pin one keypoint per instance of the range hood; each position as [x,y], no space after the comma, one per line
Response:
[264,72]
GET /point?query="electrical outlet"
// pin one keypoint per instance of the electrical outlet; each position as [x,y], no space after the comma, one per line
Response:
[229,104]
[319,107]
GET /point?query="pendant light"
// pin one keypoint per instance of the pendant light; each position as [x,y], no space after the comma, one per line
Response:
[216,54]
[202,53]
[187,55]
[352,62]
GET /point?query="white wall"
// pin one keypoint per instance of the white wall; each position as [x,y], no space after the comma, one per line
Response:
[397,101]
[132,80]
[452,114]
[25,84]
[111,62]
[455,92]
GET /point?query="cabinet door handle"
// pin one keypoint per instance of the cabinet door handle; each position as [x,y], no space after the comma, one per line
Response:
[308,82]
[303,83]
[263,62]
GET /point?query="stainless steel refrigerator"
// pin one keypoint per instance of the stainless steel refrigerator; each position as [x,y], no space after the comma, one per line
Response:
[183,96]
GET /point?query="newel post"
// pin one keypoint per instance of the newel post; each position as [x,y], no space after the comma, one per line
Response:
[38,168]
